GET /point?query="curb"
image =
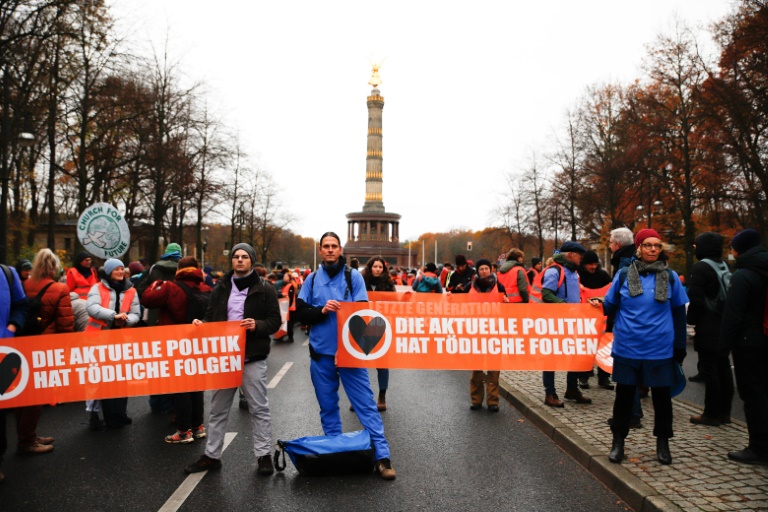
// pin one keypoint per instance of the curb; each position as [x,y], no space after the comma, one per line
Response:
[637,494]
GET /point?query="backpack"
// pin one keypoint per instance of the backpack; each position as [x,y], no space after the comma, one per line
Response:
[424,286]
[534,294]
[716,304]
[33,324]
[197,302]
[347,277]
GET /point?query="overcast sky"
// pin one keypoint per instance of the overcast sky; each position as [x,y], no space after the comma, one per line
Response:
[472,89]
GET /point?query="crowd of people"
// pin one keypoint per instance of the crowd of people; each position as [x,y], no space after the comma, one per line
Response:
[647,305]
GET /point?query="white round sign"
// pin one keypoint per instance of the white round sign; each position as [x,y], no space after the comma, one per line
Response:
[103,231]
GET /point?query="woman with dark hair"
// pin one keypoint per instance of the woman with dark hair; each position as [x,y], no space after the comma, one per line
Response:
[649,337]
[377,279]
[55,317]
[81,277]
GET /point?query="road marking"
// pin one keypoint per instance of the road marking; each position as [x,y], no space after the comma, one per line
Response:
[276,379]
[188,485]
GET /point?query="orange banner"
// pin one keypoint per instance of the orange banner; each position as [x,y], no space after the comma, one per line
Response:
[50,369]
[604,359]
[457,332]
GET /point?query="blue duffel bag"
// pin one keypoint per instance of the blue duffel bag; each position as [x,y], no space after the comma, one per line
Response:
[328,455]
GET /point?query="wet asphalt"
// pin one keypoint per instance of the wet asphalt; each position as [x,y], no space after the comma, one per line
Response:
[446,457]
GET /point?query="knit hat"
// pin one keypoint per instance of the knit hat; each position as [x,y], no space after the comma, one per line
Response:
[745,240]
[590,257]
[709,245]
[111,264]
[188,261]
[24,265]
[430,267]
[82,256]
[535,261]
[173,247]
[208,269]
[645,233]
[571,246]
[136,268]
[461,260]
[247,248]
[481,262]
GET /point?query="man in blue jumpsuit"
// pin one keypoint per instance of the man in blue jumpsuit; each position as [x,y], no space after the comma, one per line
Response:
[13,314]
[316,306]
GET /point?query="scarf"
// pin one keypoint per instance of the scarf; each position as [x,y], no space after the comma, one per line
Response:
[484,284]
[245,281]
[335,268]
[84,271]
[118,286]
[636,268]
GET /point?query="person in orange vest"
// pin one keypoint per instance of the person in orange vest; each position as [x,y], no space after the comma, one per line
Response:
[81,277]
[512,275]
[481,384]
[113,304]
[535,269]
[290,290]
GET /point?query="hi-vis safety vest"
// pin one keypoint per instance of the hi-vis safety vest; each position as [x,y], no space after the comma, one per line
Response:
[286,291]
[474,291]
[97,325]
[536,286]
[509,280]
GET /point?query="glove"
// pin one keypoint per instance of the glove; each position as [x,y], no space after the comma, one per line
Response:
[679,355]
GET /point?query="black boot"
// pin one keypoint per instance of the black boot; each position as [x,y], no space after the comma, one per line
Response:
[617,450]
[662,450]
[94,422]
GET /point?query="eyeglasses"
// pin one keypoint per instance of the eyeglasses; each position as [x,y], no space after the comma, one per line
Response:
[648,247]
[241,257]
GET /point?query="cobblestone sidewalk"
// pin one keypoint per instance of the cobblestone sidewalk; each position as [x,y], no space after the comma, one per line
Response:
[701,478]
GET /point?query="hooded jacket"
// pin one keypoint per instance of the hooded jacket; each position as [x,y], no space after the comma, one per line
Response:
[169,298]
[703,283]
[742,324]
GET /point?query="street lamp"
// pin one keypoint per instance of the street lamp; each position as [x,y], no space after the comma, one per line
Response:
[204,231]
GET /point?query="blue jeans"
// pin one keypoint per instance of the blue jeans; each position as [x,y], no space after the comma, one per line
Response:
[548,378]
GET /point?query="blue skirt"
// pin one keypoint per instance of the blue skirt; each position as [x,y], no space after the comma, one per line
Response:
[652,373]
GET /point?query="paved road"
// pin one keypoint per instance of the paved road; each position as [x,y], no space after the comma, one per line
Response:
[446,456]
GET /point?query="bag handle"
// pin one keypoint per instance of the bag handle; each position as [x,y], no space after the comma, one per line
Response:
[280,449]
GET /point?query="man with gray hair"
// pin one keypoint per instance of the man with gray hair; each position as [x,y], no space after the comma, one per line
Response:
[243,295]
[622,246]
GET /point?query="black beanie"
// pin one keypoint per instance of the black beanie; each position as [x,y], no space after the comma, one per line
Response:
[535,261]
[81,256]
[590,257]
[745,240]
[709,245]
[483,261]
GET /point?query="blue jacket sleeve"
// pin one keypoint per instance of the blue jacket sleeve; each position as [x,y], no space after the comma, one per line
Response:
[19,303]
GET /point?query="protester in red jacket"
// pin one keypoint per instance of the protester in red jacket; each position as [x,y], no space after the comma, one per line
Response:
[172,301]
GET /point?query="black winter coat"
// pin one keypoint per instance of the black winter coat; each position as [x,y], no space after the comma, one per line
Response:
[742,324]
[703,283]
[260,304]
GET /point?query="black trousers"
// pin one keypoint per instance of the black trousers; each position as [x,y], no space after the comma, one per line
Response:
[114,410]
[622,411]
[189,410]
[718,383]
[3,435]
[751,365]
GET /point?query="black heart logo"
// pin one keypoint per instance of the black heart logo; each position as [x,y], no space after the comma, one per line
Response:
[9,370]
[367,334]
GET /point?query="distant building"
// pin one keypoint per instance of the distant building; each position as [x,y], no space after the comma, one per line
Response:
[373,231]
